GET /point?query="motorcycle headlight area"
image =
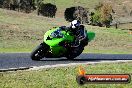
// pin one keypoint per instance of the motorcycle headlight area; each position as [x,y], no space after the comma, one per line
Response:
[56,34]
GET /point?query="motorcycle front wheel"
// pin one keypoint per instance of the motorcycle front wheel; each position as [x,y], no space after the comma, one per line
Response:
[38,52]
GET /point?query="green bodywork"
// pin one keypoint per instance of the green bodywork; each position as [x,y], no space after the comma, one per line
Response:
[54,47]
[90,35]
[53,43]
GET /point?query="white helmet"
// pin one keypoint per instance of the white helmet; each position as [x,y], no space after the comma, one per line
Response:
[74,24]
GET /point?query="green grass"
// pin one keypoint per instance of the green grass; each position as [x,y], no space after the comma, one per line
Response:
[110,41]
[63,77]
[21,32]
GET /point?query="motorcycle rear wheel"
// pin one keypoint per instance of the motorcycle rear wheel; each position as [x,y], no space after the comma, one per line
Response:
[73,53]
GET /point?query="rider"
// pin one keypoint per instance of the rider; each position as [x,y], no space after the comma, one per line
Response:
[78,31]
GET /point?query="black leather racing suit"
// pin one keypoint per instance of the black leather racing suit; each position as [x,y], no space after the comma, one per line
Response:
[80,34]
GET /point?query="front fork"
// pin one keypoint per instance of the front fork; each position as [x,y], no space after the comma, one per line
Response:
[45,49]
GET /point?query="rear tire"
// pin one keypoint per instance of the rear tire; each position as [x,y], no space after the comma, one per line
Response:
[73,53]
[38,53]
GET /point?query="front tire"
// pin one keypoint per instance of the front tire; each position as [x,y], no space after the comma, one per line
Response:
[38,53]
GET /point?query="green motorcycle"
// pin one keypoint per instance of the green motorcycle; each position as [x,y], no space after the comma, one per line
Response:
[56,44]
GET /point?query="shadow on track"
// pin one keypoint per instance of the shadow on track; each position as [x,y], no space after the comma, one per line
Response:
[74,60]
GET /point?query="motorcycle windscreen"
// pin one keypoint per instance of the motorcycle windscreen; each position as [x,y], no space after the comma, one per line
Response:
[54,41]
[91,35]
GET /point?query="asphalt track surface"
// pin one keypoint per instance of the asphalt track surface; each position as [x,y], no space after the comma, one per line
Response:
[18,60]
